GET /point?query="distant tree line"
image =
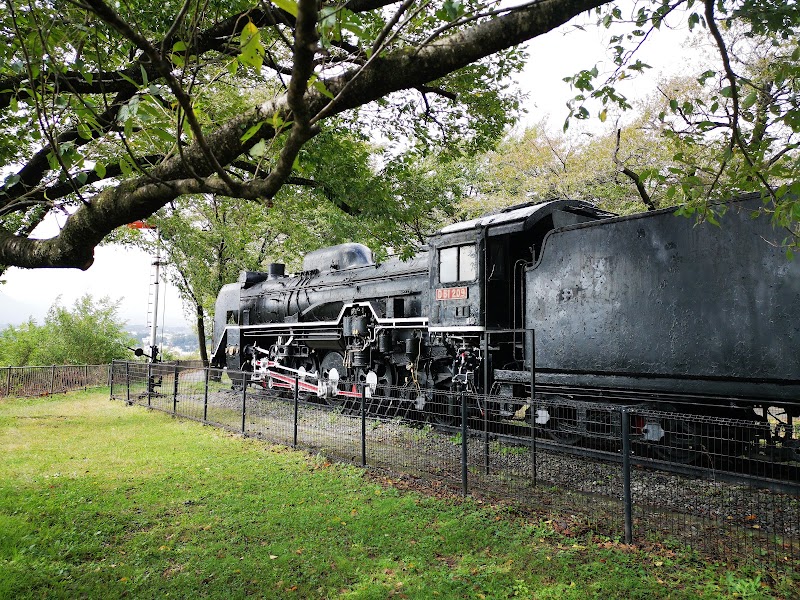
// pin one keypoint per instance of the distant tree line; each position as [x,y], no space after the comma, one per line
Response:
[90,332]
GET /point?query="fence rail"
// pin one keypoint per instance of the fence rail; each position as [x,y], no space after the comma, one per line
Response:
[53,379]
[599,476]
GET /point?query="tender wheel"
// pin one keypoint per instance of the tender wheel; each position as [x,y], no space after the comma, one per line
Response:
[565,425]
[445,408]
[672,439]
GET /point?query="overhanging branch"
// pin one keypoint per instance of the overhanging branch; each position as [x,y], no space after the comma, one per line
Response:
[400,69]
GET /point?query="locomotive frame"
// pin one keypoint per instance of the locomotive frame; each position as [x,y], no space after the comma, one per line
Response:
[559,295]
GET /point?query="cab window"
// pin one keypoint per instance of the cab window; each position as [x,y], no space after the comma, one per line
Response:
[458,263]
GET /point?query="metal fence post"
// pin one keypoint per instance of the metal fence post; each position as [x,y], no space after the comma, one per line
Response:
[85,377]
[52,379]
[486,402]
[110,381]
[8,381]
[149,382]
[244,400]
[364,425]
[175,390]
[534,412]
[296,402]
[128,382]
[464,482]
[626,474]
[205,396]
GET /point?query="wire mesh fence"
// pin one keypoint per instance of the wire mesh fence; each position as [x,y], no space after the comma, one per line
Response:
[726,486]
[25,382]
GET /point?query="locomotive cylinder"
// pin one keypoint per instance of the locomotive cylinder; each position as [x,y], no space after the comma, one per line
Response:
[358,326]
[385,343]
[359,358]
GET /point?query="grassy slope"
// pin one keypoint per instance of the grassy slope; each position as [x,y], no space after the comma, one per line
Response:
[98,499]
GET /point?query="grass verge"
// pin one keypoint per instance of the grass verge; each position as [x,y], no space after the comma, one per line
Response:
[98,499]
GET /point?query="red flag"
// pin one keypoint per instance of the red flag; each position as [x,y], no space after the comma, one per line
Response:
[140,225]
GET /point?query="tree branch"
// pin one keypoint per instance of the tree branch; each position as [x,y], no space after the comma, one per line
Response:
[400,69]
[637,180]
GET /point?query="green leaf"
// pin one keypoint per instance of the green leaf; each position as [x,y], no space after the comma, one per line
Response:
[259,149]
[251,131]
[277,122]
[11,180]
[163,134]
[125,166]
[749,100]
[603,115]
[100,169]
[451,10]
[84,131]
[320,87]
[251,48]
[290,6]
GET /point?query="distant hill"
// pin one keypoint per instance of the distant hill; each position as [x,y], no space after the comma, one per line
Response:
[178,337]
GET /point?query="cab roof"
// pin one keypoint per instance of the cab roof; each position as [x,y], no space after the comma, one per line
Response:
[527,215]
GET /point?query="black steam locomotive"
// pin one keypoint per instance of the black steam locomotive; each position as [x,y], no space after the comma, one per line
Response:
[653,304]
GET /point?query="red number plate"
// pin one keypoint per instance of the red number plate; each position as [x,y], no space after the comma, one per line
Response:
[456,293]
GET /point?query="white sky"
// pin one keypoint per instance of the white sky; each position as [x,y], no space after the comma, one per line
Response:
[124,274]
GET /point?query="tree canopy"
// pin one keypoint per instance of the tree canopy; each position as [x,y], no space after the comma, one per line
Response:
[111,112]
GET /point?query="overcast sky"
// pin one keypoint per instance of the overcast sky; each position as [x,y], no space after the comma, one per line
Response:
[124,274]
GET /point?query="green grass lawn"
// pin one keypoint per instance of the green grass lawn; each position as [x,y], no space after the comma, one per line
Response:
[99,499]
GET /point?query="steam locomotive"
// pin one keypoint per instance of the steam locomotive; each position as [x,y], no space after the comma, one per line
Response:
[559,295]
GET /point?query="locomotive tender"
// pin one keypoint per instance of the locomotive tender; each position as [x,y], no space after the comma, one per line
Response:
[654,304]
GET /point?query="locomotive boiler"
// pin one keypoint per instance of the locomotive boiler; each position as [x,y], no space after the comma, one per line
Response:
[559,295]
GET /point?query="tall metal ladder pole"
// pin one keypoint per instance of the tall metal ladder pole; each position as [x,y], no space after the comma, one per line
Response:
[154,326]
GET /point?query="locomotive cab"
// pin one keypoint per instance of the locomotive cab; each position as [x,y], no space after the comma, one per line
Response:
[477,267]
